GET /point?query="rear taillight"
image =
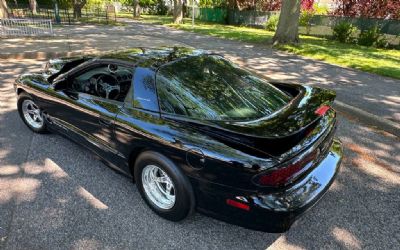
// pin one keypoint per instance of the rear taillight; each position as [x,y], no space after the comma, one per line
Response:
[322,110]
[284,175]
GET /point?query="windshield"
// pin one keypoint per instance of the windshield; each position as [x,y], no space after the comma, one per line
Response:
[212,88]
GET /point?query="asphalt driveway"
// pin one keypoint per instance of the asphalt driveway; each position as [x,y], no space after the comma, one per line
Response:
[55,194]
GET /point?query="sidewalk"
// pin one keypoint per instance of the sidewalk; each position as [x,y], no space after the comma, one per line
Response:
[377,95]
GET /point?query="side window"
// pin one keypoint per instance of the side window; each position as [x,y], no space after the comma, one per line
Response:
[145,95]
[170,101]
[108,81]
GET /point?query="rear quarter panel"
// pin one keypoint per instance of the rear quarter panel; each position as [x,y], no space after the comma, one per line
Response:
[198,155]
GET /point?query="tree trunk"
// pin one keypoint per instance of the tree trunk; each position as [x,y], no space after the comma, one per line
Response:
[178,14]
[77,11]
[3,9]
[78,5]
[288,25]
[184,9]
[136,8]
[32,6]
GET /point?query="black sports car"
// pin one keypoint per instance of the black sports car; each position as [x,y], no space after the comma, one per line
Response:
[194,131]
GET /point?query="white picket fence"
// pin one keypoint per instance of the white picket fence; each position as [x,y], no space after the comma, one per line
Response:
[26,27]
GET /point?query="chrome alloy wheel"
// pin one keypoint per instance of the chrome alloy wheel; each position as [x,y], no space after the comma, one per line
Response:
[158,187]
[32,114]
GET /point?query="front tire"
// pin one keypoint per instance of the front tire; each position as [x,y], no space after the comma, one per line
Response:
[163,186]
[31,114]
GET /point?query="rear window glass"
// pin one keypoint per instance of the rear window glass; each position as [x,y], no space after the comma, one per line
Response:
[210,87]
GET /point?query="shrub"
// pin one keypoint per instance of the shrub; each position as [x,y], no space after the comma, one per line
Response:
[305,20]
[272,23]
[156,7]
[161,8]
[371,37]
[306,15]
[382,42]
[343,31]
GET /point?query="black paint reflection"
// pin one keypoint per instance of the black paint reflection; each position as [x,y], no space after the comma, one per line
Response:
[221,125]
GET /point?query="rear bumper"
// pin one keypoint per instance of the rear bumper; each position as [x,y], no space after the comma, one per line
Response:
[272,212]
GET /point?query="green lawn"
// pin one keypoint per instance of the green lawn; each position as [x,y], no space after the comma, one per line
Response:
[378,61]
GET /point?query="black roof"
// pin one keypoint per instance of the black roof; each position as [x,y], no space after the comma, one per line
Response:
[152,57]
[140,56]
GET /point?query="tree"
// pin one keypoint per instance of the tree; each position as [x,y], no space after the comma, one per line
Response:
[152,6]
[32,6]
[178,13]
[288,24]
[368,8]
[232,4]
[78,5]
[3,9]
[136,8]
[214,3]
[307,5]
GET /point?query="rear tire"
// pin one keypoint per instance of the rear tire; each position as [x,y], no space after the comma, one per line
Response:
[163,186]
[31,114]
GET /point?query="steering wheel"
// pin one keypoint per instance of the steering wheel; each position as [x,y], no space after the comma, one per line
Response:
[106,86]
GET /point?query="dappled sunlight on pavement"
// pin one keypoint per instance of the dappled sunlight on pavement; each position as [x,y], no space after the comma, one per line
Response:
[93,201]
[346,238]
[282,244]
[18,189]
[370,165]
[49,168]
[74,44]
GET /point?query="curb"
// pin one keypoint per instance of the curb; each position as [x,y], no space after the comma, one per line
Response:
[368,118]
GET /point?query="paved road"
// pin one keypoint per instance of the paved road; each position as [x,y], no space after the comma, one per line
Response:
[372,93]
[54,194]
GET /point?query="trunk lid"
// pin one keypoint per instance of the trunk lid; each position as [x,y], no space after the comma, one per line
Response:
[283,133]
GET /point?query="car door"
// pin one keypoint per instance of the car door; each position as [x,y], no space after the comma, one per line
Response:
[86,114]
[138,121]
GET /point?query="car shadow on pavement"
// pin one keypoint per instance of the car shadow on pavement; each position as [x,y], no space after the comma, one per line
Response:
[56,193]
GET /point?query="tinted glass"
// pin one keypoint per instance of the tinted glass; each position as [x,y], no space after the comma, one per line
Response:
[212,88]
[145,96]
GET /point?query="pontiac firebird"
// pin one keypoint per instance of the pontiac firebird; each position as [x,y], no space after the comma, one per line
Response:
[193,130]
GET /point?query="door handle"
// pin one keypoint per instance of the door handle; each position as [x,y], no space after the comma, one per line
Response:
[105,123]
